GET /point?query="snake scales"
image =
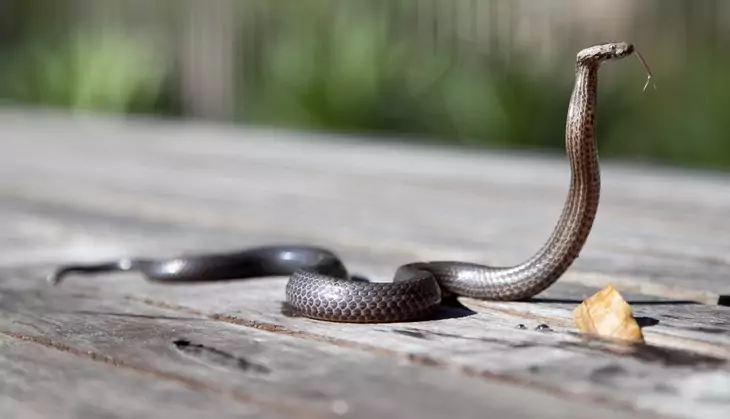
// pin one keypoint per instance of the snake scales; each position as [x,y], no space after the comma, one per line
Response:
[319,286]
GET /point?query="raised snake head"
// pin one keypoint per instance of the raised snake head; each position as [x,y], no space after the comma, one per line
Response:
[599,53]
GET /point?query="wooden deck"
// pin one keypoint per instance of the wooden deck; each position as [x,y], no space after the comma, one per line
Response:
[117,346]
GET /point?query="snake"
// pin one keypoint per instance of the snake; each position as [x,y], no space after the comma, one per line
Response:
[320,287]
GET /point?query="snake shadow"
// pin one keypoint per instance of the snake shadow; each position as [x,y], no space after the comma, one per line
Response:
[575,301]
[642,321]
[444,311]
[450,308]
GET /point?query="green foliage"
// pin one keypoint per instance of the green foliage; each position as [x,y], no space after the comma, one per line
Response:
[349,66]
[345,78]
[101,70]
[357,76]
[683,122]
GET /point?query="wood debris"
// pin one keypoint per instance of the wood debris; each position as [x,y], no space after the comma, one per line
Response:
[607,314]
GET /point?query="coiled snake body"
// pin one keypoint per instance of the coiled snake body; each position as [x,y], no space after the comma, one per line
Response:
[319,286]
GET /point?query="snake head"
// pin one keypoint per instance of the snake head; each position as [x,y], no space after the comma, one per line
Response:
[599,53]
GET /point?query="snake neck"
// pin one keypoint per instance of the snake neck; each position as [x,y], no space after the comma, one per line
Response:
[581,205]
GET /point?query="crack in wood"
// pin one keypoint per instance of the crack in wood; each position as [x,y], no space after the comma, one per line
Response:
[418,359]
[644,352]
[647,351]
[217,357]
[190,383]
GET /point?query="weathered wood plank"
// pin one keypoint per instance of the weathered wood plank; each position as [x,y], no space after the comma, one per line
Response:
[110,189]
[657,229]
[698,318]
[42,382]
[486,344]
[271,371]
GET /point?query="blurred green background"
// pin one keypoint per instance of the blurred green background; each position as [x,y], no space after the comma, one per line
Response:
[483,73]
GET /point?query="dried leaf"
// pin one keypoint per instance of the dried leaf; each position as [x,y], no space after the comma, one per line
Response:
[607,314]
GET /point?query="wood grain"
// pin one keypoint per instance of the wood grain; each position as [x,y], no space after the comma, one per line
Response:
[660,230]
[91,189]
[41,382]
[271,372]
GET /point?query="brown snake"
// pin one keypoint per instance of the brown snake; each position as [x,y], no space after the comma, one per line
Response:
[320,288]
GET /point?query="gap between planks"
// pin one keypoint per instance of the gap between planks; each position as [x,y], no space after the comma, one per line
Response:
[129,339]
[187,382]
[452,334]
